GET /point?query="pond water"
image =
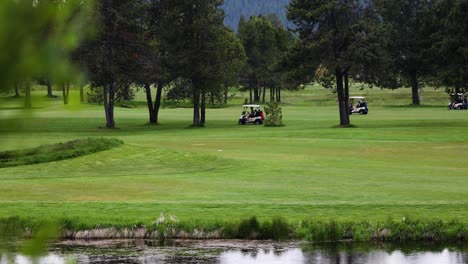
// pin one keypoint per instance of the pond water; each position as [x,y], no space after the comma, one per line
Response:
[236,251]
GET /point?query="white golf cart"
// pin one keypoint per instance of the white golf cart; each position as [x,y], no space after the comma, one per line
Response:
[458,102]
[358,105]
[251,114]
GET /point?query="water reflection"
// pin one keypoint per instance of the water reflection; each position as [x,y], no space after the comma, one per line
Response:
[227,252]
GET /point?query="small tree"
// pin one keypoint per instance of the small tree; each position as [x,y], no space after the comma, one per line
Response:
[274,114]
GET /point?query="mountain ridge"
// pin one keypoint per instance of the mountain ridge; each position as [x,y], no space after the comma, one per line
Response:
[234,9]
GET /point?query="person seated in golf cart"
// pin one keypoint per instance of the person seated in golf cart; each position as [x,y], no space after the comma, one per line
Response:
[458,101]
[360,107]
[255,116]
[252,112]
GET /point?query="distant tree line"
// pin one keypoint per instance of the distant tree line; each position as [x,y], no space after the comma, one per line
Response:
[385,43]
[183,47]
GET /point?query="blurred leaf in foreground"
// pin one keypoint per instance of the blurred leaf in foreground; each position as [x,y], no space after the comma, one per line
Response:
[37,37]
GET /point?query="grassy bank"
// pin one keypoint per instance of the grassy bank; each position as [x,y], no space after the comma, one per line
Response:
[56,152]
[399,161]
[279,228]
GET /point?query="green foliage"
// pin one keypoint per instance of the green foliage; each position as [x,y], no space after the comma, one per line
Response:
[320,231]
[37,37]
[42,237]
[409,27]
[343,37]
[265,42]
[56,152]
[195,46]
[450,44]
[278,228]
[11,227]
[274,114]
[390,230]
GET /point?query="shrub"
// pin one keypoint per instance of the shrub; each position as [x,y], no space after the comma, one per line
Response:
[274,115]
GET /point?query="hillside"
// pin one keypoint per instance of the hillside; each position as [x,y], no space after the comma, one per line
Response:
[236,8]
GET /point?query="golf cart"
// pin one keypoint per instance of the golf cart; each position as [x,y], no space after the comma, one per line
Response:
[358,105]
[458,101]
[251,114]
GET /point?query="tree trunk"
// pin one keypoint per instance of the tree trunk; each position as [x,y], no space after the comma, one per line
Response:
[344,116]
[49,88]
[149,102]
[279,95]
[256,97]
[346,90]
[68,92]
[196,106]
[212,98]
[27,98]
[264,92]
[226,93]
[250,90]
[271,94]
[105,93]
[111,123]
[65,92]
[109,94]
[157,103]
[260,93]
[126,92]
[203,108]
[415,88]
[17,94]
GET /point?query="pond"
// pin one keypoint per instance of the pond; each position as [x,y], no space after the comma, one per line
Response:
[237,251]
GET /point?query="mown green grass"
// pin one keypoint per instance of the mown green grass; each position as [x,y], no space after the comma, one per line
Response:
[399,161]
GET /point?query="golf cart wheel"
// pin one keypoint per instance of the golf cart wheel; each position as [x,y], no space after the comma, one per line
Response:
[361,112]
[258,122]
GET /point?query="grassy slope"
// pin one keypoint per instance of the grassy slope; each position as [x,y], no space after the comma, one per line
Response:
[399,161]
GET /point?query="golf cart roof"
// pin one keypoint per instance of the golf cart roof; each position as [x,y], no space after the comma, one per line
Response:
[357,97]
[251,105]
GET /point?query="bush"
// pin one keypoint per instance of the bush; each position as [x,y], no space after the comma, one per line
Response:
[274,115]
